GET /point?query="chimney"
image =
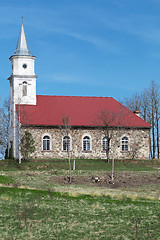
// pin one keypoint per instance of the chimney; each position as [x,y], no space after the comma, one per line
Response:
[137,112]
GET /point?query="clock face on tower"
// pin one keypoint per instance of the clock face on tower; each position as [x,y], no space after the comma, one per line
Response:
[24,65]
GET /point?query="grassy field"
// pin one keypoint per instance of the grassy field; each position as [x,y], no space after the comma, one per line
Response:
[81,164]
[34,207]
[32,214]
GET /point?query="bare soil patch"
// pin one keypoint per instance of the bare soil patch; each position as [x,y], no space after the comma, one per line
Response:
[121,179]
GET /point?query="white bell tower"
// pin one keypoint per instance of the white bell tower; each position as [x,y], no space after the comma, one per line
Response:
[22,79]
[22,85]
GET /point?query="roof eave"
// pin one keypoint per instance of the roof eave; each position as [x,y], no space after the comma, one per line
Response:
[83,126]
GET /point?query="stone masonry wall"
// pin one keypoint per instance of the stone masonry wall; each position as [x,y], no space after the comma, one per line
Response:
[138,143]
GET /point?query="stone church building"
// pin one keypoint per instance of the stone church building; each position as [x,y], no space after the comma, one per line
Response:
[83,126]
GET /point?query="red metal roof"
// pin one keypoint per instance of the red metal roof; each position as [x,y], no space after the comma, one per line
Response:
[82,111]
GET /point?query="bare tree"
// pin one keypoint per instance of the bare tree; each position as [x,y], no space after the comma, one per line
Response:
[133,103]
[134,148]
[148,103]
[4,125]
[144,104]
[22,116]
[112,124]
[154,116]
[105,121]
[66,129]
[1,134]
[151,117]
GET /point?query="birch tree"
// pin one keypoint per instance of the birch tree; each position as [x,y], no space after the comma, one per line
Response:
[153,117]
[148,103]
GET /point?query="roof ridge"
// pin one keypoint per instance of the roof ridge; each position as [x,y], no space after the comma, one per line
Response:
[74,96]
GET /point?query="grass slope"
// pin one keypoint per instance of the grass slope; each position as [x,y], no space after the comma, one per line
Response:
[81,164]
[76,212]
[33,214]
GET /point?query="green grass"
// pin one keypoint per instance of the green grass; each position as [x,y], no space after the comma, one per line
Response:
[75,211]
[81,164]
[6,179]
[33,214]
[45,180]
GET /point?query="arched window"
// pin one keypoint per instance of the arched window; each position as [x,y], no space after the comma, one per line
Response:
[125,144]
[66,143]
[46,143]
[86,143]
[104,144]
[24,88]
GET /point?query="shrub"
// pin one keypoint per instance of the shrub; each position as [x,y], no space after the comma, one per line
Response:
[27,145]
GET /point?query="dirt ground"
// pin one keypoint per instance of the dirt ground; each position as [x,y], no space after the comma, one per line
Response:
[121,179]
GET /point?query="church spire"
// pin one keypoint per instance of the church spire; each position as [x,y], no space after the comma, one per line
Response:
[22,48]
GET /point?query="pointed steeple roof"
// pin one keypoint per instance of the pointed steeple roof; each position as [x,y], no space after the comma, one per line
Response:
[22,48]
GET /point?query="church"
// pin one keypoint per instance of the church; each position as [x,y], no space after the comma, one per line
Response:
[82,126]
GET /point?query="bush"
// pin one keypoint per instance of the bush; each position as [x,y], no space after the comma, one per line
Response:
[27,145]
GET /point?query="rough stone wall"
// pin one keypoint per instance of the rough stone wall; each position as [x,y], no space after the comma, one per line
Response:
[138,143]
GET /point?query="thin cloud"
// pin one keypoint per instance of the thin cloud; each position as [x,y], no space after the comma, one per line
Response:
[99,42]
[143,26]
[63,78]
[70,79]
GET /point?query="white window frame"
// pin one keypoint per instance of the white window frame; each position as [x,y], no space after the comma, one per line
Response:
[70,144]
[50,142]
[86,135]
[125,143]
[104,150]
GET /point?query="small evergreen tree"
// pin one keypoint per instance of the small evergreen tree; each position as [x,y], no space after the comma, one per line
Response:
[6,154]
[27,145]
[10,153]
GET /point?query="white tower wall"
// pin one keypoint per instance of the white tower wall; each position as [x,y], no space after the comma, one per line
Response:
[22,88]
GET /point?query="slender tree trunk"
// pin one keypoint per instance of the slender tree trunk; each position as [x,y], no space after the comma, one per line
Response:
[153,133]
[74,164]
[112,175]
[150,146]
[69,160]
[153,139]
[157,137]
[108,146]
[19,133]
[107,154]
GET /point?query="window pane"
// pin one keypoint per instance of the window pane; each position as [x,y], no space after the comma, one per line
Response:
[124,144]
[24,89]
[66,143]
[86,143]
[46,143]
[104,144]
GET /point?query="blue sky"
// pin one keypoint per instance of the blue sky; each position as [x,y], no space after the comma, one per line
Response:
[84,47]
